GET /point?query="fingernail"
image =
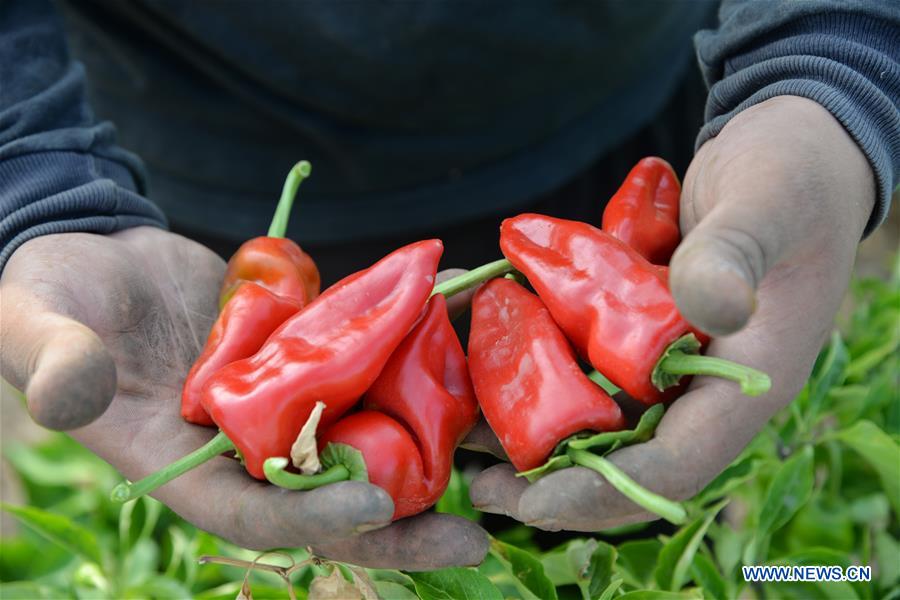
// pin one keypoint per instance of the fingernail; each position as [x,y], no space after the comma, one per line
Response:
[545,524]
[364,527]
[490,508]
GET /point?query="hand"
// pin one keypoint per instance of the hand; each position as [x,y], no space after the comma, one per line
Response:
[773,209]
[91,322]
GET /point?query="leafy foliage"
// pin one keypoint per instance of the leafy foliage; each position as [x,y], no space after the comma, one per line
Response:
[819,486]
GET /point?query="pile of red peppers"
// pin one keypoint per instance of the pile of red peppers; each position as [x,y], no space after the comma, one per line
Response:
[368,380]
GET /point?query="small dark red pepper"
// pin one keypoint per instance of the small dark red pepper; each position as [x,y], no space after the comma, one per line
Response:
[614,306]
[526,376]
[415,415]
[331,351]
[643,213]
[244,324]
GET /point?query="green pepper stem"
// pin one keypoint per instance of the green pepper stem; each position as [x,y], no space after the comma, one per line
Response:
[752,382]
[600,379]
[131,491]
[295,177]
[472,278]
[667,509]
[275,473]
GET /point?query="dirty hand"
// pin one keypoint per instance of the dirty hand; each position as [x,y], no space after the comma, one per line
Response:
[100,331]
[772,210]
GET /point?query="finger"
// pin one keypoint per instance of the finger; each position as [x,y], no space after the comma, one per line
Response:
[422,543]
[458,303]
[483,439]
[498,490]
[65,371]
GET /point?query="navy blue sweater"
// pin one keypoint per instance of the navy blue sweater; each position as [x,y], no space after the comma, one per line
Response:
[413,114]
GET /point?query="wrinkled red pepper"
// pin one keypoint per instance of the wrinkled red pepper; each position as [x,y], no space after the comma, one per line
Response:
[643,212]
[244,324]
[526,376]
[330,351]
[415,415]
[614,306]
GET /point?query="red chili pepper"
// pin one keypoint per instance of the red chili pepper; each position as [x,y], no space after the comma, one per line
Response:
[331,351]
[527,379]
[614,306]
[244,324]
[416,413]
[643,213]
[275,262]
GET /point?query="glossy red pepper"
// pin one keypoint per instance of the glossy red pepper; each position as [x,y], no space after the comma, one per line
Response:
[526,376]
[248,319]
[614,306]
[415,415]
[643,213]
[330,351]
[273,261]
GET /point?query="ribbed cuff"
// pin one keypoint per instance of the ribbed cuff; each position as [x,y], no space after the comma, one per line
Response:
[67,192]
[845,62]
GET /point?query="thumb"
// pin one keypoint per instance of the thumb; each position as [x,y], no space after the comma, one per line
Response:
[64,369]
[782,180]
[715,271]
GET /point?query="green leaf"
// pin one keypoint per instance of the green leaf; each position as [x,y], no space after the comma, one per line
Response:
[342,454]
[75,471]
[453,584]
[59,530]
[610,591]
[887,555]
[28,590]
[868,361]
[600,570]
[828,372]
[555,463]
[740,471]
[526,568]
[873,510]
[394,591]
[677,554]
[137,520]
[641,433]
[881,452]
[707,576]
[638,559]
[566,564]
[455,500]
[790,489]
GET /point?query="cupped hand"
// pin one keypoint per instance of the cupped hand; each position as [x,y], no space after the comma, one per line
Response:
[100,331]
[773,209]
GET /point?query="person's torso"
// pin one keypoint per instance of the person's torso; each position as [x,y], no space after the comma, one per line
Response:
[411,112]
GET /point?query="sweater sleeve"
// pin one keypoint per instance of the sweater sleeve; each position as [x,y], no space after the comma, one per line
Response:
[842,54]
[60,169]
